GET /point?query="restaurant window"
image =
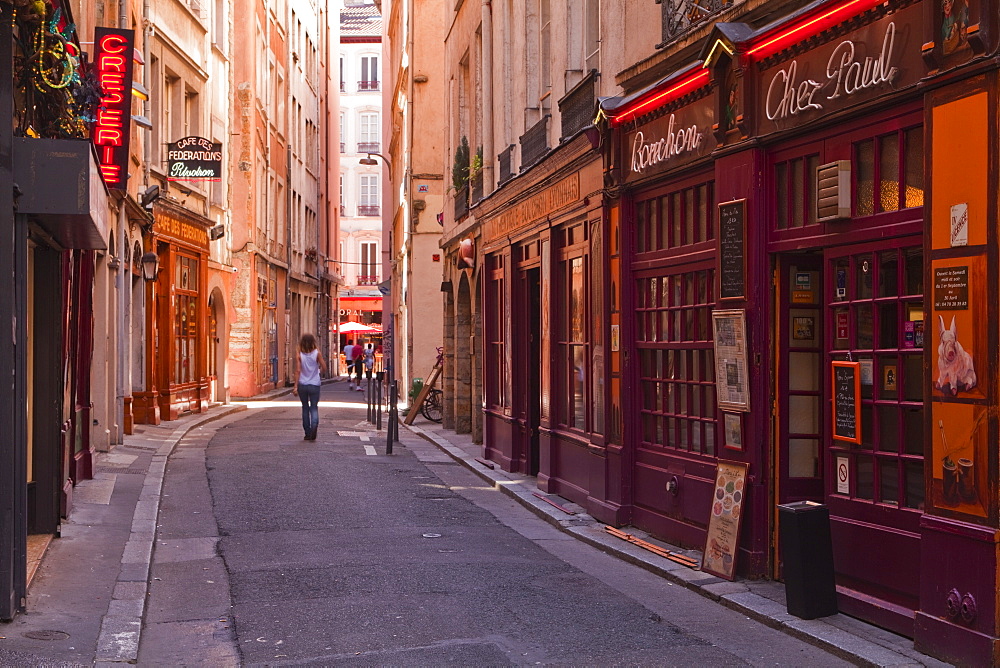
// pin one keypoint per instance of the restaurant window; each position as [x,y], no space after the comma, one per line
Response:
[877,319]
[795,192]
[185,320]
[680,218]
[573,347]
[496,328]
[676,360]
[889,172]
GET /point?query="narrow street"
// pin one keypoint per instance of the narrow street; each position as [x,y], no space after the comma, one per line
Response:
[275,550]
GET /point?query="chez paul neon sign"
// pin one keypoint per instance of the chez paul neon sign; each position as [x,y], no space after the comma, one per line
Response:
[845,73]
[112,127]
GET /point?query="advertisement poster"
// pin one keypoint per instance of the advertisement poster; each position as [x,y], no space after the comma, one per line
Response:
[731,374]
[722,541]
[957,339]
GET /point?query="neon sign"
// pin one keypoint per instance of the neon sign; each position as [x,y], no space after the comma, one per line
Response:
[112,129]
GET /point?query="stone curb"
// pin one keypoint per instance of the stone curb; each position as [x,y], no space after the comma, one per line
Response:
[121,627]
[735,595]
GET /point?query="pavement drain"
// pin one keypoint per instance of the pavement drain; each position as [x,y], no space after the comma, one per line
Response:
[432,535]
[46,635]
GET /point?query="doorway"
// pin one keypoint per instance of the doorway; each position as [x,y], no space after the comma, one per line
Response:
[797,391]
[533,368]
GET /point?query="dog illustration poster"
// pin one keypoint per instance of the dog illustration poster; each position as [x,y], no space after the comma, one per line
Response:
[957,332]
[956,337]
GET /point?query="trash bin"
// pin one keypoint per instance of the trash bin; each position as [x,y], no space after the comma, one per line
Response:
[807,559]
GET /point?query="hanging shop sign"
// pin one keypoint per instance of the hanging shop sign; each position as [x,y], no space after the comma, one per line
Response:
[882,57]
[670,140]
[113,49]
[194,159]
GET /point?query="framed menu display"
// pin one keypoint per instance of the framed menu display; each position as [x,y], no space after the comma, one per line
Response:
[722,539]
[847,401]
[731,374]
[732,249]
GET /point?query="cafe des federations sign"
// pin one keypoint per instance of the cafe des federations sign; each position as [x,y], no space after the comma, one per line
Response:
[194,159]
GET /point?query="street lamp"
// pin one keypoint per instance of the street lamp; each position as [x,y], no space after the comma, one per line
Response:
[150,266]
[372,162]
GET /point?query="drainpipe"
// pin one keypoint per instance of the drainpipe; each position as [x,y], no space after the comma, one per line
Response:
[487,66]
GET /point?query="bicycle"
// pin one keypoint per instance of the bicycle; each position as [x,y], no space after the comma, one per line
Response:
[432,407]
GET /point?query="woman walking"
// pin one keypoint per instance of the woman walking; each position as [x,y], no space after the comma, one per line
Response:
[308,366]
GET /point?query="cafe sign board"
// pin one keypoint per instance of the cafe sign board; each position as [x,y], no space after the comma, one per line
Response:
[670,140]
[194,159]
[881,57]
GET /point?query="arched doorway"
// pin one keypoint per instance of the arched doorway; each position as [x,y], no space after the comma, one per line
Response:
[216,348]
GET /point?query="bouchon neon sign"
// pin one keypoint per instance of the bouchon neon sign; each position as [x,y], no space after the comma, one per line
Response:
[112,127]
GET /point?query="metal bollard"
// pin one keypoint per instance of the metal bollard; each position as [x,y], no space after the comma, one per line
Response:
[393,433]
[368,399]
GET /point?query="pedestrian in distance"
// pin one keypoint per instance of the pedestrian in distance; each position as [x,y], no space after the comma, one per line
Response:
[308,366]
[369,361]
[359,362]
[349,359]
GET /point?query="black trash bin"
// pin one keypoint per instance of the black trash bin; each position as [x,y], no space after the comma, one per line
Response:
[807,559]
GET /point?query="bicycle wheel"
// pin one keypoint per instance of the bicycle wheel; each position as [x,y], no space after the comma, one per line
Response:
[432,406]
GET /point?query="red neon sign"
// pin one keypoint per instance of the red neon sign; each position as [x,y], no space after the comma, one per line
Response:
[112,129]
[686,85]
[810,26]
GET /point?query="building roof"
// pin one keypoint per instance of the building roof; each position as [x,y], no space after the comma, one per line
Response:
[360,21]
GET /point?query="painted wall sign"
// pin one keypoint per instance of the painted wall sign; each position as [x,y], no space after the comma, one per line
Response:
[879,58]
[181,230]
[723,535]
[194,159]
[113,126]
[951,288]
[537,206]
[669,141]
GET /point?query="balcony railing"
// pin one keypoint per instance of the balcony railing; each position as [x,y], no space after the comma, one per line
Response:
[461,202]
[577,106]
[477,187]
[368,85]
[680,17]
[343,87]
[535,142]
[368,209]
[505,158]
[368,280]
[342,147]
[368,147]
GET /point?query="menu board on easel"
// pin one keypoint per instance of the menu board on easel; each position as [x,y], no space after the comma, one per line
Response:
[722,539]
[847,401]
[732,249]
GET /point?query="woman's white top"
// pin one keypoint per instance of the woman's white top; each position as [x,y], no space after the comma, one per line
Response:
[309,368]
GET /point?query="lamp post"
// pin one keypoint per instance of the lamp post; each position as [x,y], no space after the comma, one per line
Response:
[389,333]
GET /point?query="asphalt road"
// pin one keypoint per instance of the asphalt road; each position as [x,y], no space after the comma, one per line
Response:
[275,550]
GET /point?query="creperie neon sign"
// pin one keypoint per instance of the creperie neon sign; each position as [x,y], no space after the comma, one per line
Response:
[113,64]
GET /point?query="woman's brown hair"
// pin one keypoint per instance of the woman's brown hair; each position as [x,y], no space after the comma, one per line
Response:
[307,343]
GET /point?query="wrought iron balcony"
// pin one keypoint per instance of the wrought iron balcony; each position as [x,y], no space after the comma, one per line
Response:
[505,158]
[680,17]
[368,147]
[368,86]
[535,142]
[368,209]
[368,280]
[461,202]
[342,147]
[577,106]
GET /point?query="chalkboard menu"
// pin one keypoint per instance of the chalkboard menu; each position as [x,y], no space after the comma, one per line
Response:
[732,249]
[847,401]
